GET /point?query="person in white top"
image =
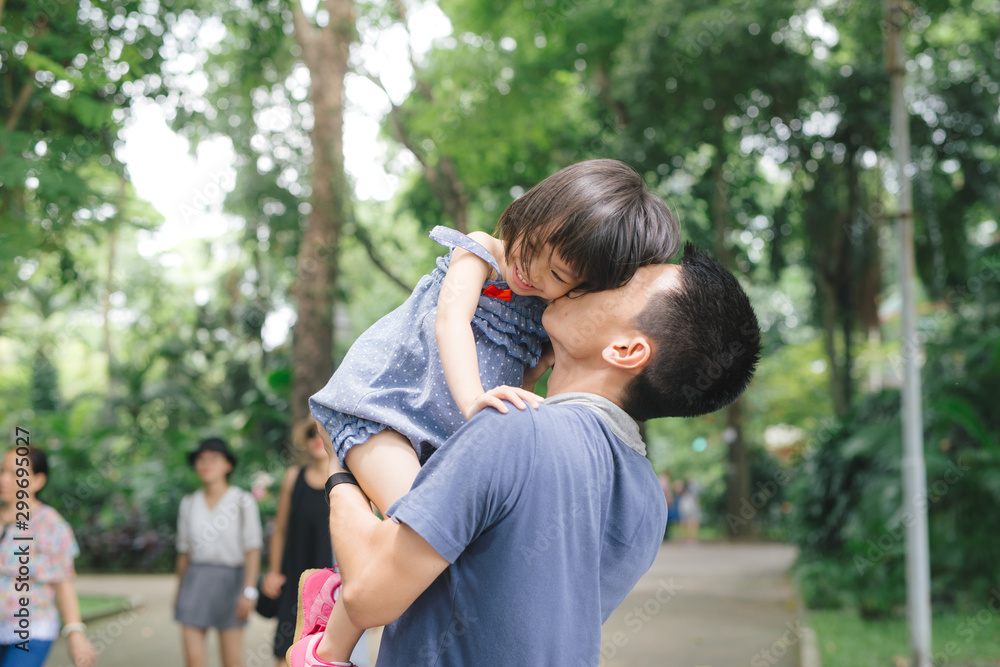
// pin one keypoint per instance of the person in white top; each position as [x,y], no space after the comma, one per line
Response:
[218,557]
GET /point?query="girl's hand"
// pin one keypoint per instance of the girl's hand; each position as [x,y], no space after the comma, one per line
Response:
[81,650]
[271,585]
[243,608]
[546,361]
[494,398]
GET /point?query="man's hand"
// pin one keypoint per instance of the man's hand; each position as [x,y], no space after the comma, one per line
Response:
[494,398]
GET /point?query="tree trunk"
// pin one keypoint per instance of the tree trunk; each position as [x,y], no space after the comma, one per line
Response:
[738,467]
[325,52]
[451,192]
[851,274]
[840,404]
[442,176]
[109,289]
[832,234]
[737,473]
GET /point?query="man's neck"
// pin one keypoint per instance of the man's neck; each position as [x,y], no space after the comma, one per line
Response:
[601,383]
[612,414]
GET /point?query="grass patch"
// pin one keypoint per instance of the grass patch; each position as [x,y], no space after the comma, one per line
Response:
[98,606]
[959,639]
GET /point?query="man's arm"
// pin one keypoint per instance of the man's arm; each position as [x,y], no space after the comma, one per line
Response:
[385,565]
[468,485]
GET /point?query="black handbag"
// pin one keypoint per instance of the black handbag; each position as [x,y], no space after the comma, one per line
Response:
[266,607]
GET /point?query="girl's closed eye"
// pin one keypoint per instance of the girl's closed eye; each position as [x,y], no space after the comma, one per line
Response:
[559,278]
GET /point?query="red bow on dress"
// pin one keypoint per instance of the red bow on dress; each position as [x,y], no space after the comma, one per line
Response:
[497,293]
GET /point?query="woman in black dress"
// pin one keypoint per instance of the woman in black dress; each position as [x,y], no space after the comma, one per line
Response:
[301,538]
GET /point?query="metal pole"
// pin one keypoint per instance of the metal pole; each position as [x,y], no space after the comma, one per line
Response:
[918,580]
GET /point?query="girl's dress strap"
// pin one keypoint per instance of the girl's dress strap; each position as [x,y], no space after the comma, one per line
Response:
[453,238]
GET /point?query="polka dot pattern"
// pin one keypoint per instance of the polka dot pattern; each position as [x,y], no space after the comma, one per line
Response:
[392,375]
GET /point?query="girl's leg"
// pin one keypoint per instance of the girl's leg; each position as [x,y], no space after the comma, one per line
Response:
[385,466]
[231,647]
[194,646]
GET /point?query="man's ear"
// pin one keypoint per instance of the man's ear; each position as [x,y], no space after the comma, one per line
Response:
[628,354]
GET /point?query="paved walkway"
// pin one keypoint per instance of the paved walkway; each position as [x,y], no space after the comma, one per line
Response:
[707,605]
[148,636]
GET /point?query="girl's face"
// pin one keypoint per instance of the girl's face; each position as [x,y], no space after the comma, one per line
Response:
[9,478]
[212,467]
[315,448]
[548,276]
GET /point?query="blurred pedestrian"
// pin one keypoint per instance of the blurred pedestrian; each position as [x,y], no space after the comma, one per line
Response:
[33,528]
[689,507]
[674,511]
[668,494]
[301,538]
[218,557]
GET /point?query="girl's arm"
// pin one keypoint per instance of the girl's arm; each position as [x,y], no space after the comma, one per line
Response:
[80,649]
[183,545]
[251,539]
[453,329]
[251,567]
[183,560]
[545,362]
[274,579]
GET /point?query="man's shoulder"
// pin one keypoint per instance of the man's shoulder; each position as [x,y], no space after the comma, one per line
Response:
[575,415]
[517,430]
[517,437]
[491,428]
[545,417]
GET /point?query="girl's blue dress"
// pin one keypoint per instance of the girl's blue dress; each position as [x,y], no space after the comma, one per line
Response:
[392,375]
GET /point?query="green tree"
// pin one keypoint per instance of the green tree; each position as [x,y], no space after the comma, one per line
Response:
[67,77]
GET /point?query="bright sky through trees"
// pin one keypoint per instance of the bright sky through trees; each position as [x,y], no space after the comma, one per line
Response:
[188,189]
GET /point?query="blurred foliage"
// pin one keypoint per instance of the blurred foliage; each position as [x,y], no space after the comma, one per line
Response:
[764,125]
[851,520]
[958,640]
[68,77]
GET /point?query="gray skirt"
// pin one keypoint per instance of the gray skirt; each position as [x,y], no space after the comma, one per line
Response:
[208,597]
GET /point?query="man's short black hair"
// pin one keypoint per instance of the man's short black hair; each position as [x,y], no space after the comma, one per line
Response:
[706,343]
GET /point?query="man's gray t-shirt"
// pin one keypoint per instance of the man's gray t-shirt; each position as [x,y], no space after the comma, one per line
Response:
[548,518]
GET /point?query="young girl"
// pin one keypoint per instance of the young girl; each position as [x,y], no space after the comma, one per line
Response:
[419,373]
[218,557]
[49,590]
[301,538]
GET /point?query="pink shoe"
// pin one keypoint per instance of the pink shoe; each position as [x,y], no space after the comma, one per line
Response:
[317,595]
[303,653]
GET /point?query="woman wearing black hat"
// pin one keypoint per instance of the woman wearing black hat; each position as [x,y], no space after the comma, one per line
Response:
[218,557]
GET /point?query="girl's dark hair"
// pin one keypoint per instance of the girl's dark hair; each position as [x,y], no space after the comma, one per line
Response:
[303,431]
[600,218]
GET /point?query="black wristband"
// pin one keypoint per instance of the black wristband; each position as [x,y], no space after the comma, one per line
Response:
[339,478]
